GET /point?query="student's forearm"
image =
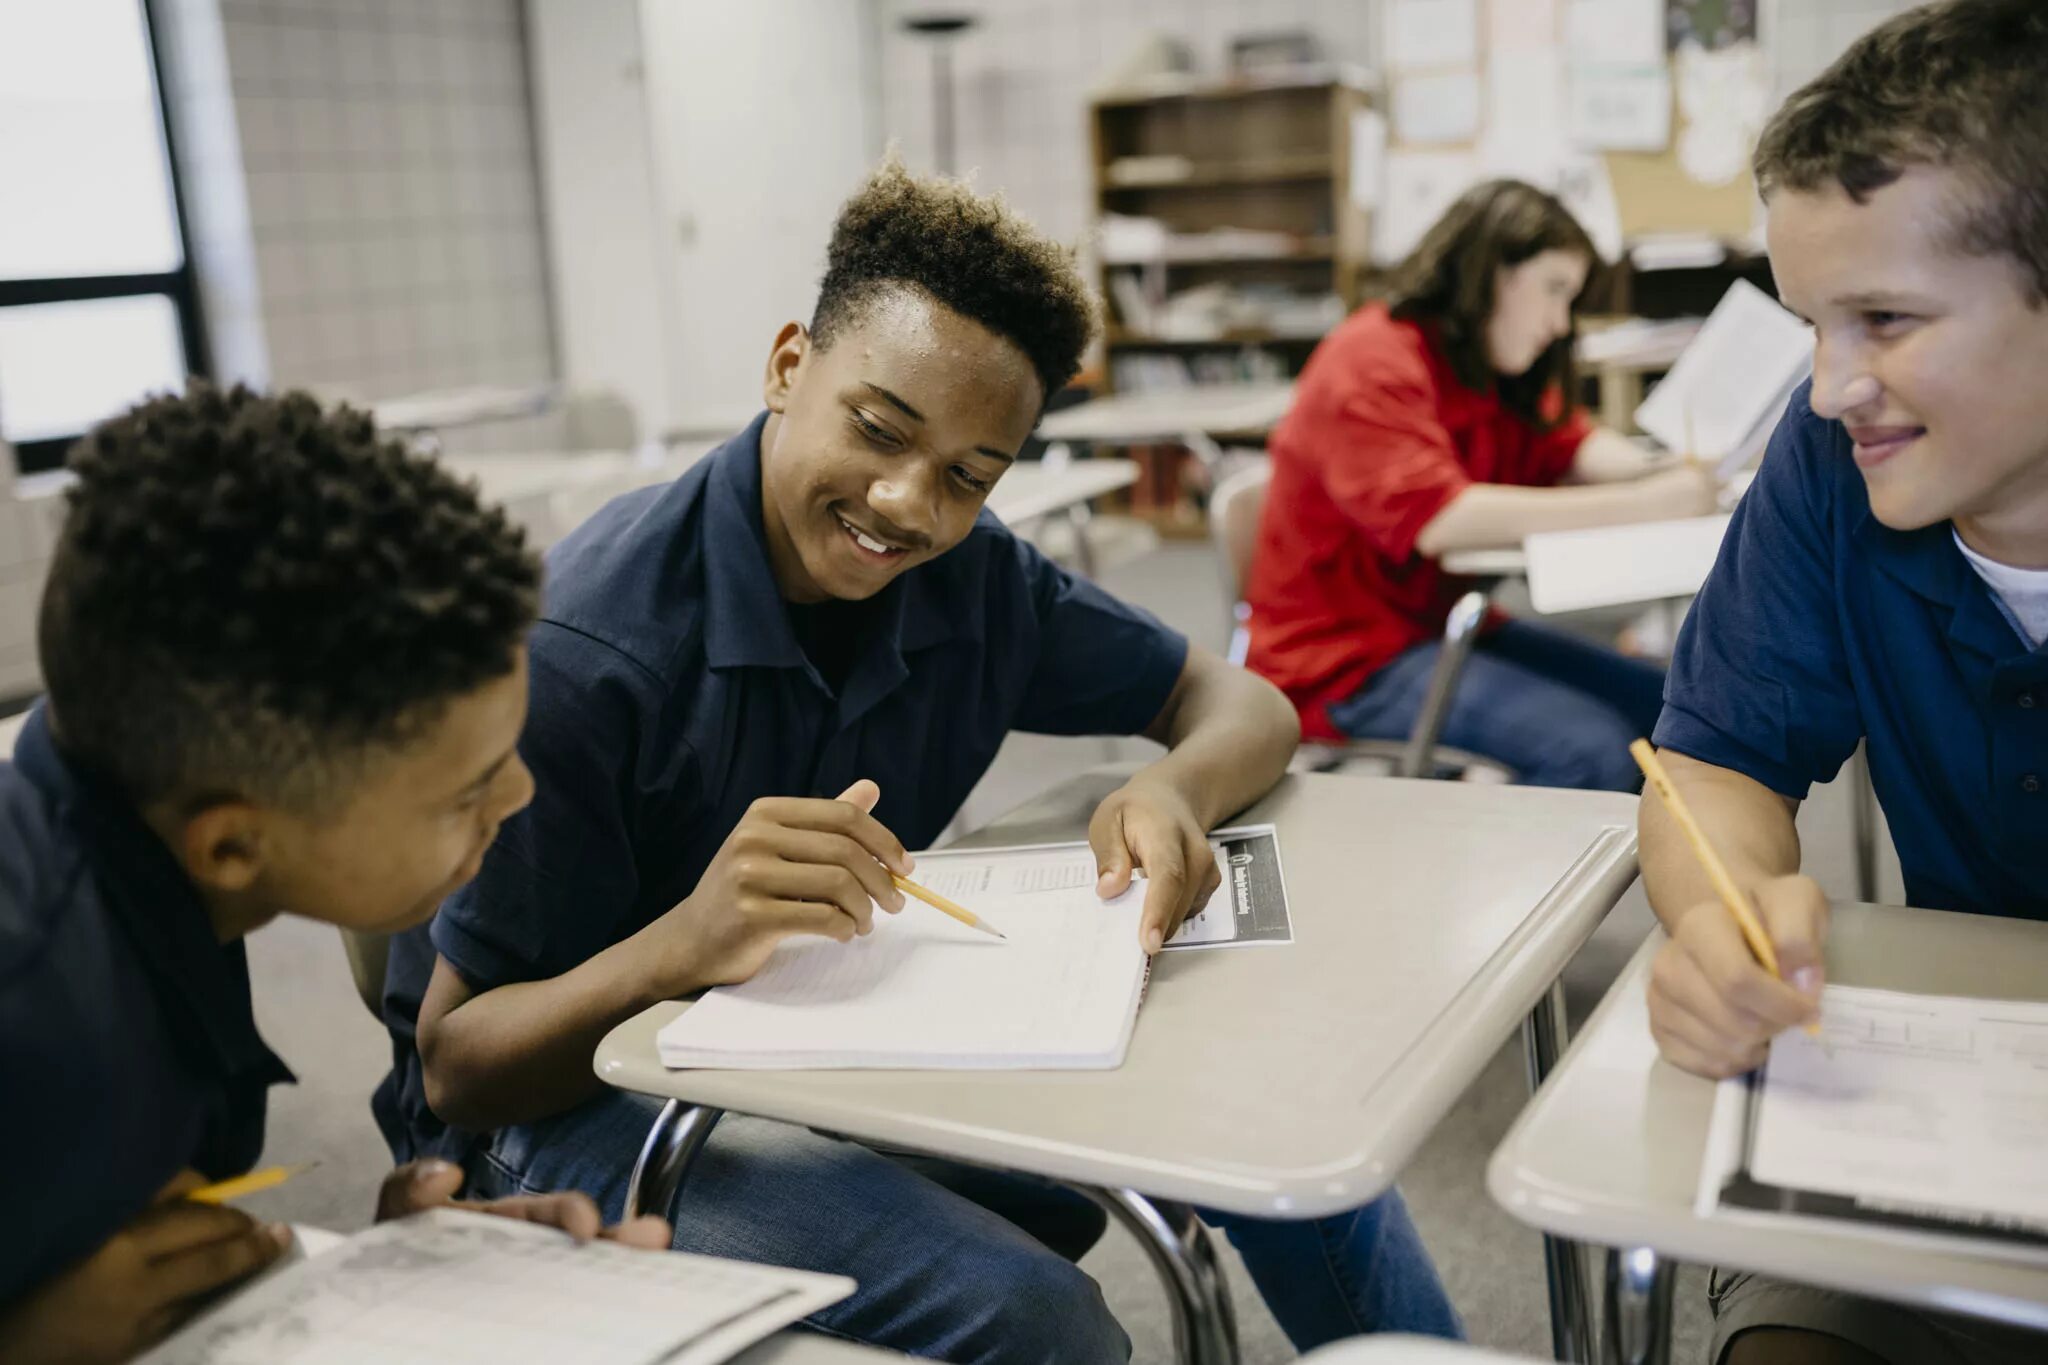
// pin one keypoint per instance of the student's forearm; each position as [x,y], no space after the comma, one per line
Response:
[1609,457]
[521,1052]
[1490,515]
[1749,825]
[1229,735]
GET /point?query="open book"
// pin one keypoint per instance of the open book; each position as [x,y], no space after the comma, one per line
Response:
[449,1287]
[1926,1115]
[923,992]
[1724,396]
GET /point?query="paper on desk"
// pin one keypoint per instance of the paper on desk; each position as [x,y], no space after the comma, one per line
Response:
[1926,1114]
[449,1287]
[1249,907]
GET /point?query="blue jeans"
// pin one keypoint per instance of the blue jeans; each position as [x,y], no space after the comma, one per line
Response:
[1558,710]
[953,1262]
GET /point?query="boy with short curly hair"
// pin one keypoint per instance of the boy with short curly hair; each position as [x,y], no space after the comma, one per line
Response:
[285,676]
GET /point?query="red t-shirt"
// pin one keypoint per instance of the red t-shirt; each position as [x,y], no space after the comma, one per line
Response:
[1381,436]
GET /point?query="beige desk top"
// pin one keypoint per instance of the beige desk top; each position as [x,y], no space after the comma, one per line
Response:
[1169,414]
[1609,1151]
[1030,490]
[1428,917]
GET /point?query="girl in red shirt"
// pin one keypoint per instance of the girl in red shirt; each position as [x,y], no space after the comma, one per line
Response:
[1438,421]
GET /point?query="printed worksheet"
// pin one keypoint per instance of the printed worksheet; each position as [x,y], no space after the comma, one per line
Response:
[1249,907]
[450,1287]
[1921,1112]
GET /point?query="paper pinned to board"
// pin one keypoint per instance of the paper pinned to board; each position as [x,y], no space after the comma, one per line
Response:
[1724,96]
[1620,108]
[1525,106]
[1420,186]
[1516,26]
[1431,33]
[1439,107]
[1623,32]
[1368,158]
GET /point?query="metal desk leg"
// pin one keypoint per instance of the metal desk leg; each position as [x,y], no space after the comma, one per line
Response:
[1863,823]
[1204,1325]
[672,1144]
[1636,1327]
[1461,630]
[1571,1319]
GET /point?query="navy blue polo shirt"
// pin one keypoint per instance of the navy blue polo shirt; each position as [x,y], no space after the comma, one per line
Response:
[670,692]
[1820,626]
[127,1047]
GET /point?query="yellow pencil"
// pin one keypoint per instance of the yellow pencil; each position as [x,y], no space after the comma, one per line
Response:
[1692,443]
[1717,872]
[938,902]
[269,1178]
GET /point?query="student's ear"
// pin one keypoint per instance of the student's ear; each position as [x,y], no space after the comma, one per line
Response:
[792,344]
[223,846]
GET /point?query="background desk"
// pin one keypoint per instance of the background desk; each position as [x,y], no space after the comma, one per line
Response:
[1609,1151]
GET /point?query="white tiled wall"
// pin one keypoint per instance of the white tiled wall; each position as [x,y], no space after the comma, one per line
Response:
[1023,74]
[390,190]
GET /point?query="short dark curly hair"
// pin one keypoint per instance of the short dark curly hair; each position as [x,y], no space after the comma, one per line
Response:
[967,251]
[251,594]
[1957,85]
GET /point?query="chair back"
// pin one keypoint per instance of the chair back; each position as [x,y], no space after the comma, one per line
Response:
[1234,509]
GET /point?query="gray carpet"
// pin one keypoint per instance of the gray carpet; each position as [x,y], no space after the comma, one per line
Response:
[1492,1264]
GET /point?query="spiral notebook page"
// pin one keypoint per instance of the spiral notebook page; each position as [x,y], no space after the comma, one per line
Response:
[921,991]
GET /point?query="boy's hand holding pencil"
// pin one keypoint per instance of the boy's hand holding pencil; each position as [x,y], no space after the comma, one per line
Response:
[1739,969]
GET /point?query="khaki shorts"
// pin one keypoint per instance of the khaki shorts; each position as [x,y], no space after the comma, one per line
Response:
[1890,1331]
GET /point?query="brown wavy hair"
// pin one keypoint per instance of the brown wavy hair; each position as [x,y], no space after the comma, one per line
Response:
[1447,284]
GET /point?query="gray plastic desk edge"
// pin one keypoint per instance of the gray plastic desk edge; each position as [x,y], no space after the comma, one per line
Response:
[1850,1262]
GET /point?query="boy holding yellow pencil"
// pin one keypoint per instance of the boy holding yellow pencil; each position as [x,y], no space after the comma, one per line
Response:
[1885,580]
[285,676]
[753,689]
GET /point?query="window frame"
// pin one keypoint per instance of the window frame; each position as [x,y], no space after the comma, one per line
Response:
[181,285]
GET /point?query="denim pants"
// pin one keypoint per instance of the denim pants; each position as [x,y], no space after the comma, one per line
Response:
[953,1262]
[1558,710]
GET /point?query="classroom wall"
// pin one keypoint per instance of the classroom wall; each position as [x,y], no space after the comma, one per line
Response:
[390,191]
[1023,75]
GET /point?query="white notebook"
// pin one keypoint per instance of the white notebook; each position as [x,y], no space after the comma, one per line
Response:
[1728,389]
[923,992]
[457,1288]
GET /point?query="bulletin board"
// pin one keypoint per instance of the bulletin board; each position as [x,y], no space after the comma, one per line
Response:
[1640,114]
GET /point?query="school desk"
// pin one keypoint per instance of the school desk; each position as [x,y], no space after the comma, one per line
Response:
[1430,920]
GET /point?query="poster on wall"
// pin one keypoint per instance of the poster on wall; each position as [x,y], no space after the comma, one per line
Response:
[1709,25]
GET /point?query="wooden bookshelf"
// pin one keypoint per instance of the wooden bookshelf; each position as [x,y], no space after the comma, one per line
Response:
[1269,156]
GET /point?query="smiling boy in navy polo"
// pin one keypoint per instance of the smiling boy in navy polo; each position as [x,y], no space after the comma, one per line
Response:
[1885,581]
[753,690]
[285,676]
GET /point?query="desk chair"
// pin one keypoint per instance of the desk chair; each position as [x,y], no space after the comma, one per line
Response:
[1233,525]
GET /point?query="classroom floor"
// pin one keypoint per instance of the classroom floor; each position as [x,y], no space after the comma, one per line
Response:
[1493,1265]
